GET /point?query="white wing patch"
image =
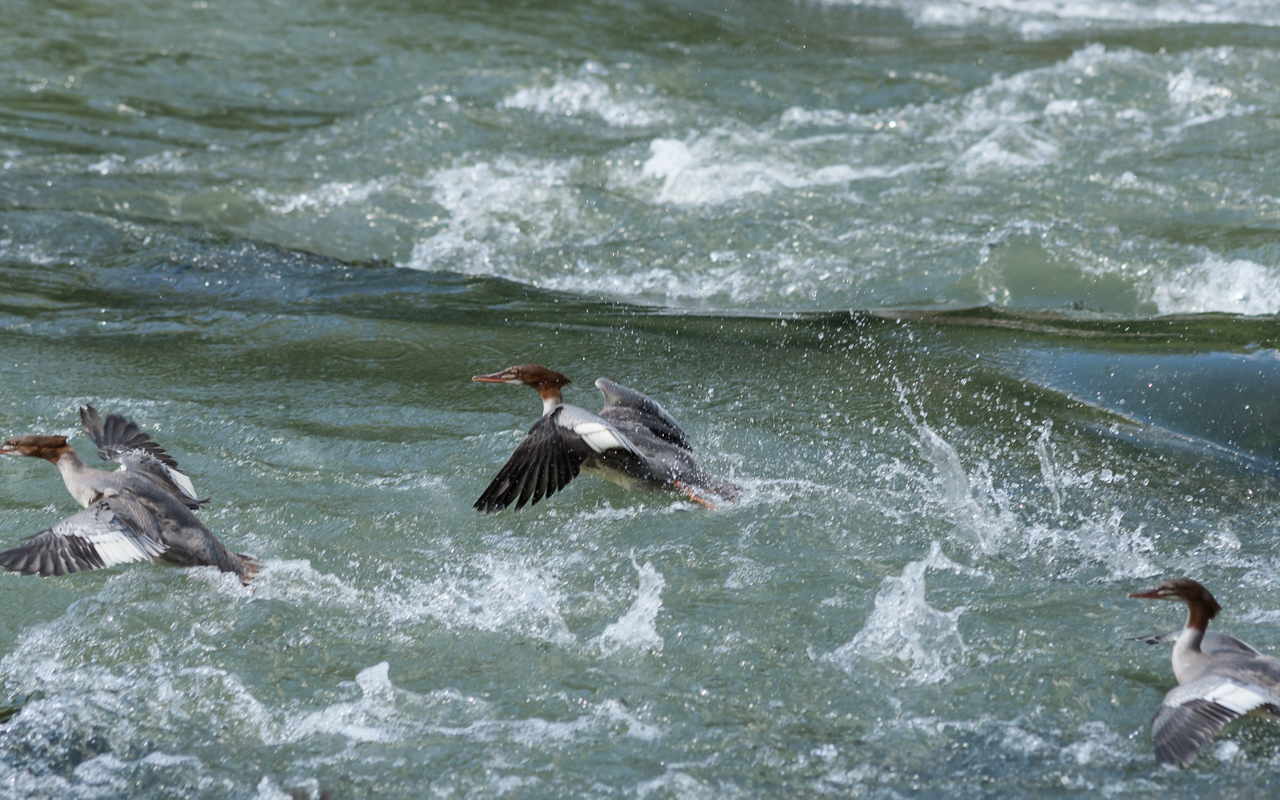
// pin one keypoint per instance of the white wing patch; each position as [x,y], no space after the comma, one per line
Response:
[114,547]
[142,461]
[113,544]
[1237,698]
[598,436]
[184,483]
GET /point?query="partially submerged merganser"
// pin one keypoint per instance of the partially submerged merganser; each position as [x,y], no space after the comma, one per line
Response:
[633,442]
[140,512]
[1219,678]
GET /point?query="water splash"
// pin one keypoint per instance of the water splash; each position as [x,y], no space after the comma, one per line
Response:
[635,630]
[1049,467]
[988,526]
[905,630]
[365,720]
[506,597]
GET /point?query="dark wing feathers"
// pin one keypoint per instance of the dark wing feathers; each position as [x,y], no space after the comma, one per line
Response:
[1194,712]
[121,440]
[116,434]
[114,530]
[1180,731]
[543,463]
[626,408]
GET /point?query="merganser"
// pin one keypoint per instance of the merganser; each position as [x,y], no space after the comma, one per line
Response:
[1219,678]
[633,442]
[140,512]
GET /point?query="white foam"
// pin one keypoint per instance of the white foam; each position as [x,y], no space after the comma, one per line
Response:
[325,197]
[635,630]
[1097,743]
[608,717]
[1056,108]
[167,162]
[411,481]
[730,277]
[27,252]
[1227,751]
[1109,115]
[1186,88]
[1238,286]
[368,719]
[298,583]
[1021,741]
[1039,18]
[267,790]
[506,597]
[905,630]
[609,714]
[112,163]
[1008,147]
[726,164]
[587,96]
[1129,182]
[84,686]
[677,784]
[496,208]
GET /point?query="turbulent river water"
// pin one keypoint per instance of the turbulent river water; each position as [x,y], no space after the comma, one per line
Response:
[976,299]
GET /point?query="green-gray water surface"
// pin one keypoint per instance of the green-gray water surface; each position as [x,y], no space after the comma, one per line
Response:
[975,300]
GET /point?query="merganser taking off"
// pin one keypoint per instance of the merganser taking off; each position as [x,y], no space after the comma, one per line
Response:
[1219,678]
[138,513]
[633,442]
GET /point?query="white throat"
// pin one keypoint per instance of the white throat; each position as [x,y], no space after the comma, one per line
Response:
[1187,657]
[73,475]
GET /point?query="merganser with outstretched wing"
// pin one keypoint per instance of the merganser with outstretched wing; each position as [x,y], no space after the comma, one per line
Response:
[633,441]
[140,512]
[1219,678]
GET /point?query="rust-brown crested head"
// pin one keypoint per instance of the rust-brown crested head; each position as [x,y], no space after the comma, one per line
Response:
[534,375]
[49,448]
[1185,590]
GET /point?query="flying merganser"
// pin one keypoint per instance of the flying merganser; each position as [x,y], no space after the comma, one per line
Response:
[1219,678]
[140,512]
[633,442]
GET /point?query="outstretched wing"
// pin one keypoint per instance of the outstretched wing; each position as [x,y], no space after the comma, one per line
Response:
[552,454]
[625,407]
[120,440]
[1194,712]
[114,530]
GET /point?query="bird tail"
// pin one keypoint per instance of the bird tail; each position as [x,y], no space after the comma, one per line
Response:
[1155,638]
[248,568]
[708,490]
